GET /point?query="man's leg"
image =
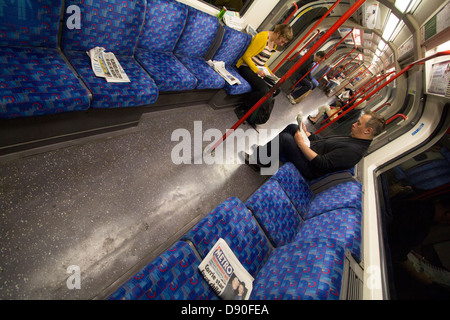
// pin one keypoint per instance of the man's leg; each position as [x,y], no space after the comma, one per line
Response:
[288,149]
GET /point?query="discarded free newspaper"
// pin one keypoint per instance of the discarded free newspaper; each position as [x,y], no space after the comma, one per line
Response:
[219,67]
[105,65]
[225,274]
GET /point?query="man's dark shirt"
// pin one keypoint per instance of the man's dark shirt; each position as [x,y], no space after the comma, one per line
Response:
[336,153]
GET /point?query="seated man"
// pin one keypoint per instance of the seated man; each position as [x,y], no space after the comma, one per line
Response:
[325,155]
[308,82]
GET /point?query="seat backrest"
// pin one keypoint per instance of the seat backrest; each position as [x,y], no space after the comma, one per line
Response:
[198,34]
[233,222]
[112,24]
[30,23]
[164,23]
[172,275]
[295,186]
[275,213]
[233,45]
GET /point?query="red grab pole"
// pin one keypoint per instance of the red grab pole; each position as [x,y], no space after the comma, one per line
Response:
[292,14]
[331,69]
[322,59]
[356,96]
[317,45]
[421,61]
[307,34]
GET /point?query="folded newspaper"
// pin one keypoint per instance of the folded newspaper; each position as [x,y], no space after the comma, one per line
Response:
[219,67]
[225,274]
[105,65]
[269,75]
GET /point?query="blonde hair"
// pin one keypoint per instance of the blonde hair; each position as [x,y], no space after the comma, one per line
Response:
[285,31]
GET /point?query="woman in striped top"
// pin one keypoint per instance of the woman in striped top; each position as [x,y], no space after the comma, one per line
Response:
[251,66]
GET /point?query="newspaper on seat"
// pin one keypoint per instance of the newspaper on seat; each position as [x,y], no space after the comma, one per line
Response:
[105,65]
[219,67]
[225,274]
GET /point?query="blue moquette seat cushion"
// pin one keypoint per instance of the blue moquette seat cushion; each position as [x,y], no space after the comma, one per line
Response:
[197,37]
[233,222]
[112,24]
[173,275]
[30,23]
[37,81]
[295,187]
[167,71]
[233,45]
[141,90]
[275,213]
[342,224]
[164,23]
[343,195]
[303,270]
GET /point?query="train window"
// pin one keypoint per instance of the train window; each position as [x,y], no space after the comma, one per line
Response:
[234,5]
[417,221]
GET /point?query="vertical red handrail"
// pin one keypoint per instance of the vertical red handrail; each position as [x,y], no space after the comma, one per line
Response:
[351,61]
[351,79]
[337,64]
[339,22]
[298,52]
[421,61]
[356,96]
[322,59]
[395,117]
[308,33]
[292,14]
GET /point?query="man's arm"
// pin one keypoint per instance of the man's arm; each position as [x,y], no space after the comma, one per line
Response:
[309,154]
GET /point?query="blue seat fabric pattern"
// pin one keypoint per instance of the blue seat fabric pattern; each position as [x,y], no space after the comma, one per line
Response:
[198,35]
[173,275]
[37,81]
[290,258]
[35,24]
[275,213]
[34,78]
[141,90]
[295,187]
[343,195]
[114,25]
[309,270]
[233,222]
[343,225]
[233,46]
[157,42]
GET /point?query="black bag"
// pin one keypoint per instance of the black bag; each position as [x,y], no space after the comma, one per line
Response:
[262,114]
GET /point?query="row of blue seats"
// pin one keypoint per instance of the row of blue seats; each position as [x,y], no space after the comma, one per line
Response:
[161,45]
[289,239]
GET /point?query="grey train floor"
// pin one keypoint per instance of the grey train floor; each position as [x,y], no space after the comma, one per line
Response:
[109,204]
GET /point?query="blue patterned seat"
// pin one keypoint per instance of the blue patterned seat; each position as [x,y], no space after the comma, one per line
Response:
[34,77]
[275,213]
[197,37]
[303,270]
[343,195]
[157,42]
[114,25]
[233,46]
[173,275]
[233,222]
[295,187]
[342,224]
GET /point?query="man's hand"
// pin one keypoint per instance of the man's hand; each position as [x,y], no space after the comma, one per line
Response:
[307,151]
